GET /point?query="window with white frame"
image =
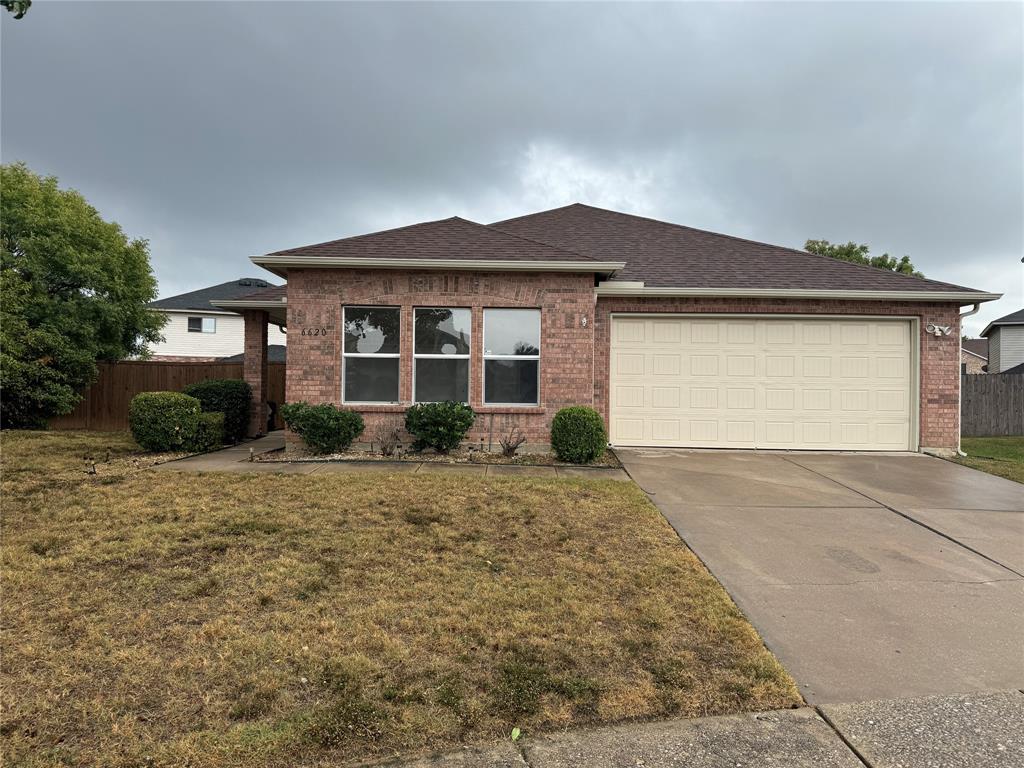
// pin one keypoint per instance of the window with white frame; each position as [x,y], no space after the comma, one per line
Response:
[202,325]
[370,354]
[441,354]
[511,356]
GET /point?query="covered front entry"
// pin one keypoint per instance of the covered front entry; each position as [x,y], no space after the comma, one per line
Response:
[835,383]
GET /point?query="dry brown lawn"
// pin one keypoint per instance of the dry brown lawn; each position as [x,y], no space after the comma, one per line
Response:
[166,619]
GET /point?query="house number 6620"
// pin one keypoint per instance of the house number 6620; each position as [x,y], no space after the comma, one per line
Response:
[314,331]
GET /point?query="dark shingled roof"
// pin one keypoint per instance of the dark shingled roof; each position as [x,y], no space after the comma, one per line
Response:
[1013,318]
[276,353]
[978,347]
[452,238]
[200,300]
[275,293]
[670,255]
[1017,370]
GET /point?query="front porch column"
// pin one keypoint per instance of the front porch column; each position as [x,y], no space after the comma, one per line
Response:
[254,369]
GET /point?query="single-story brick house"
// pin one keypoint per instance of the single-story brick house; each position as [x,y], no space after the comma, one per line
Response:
[677,336]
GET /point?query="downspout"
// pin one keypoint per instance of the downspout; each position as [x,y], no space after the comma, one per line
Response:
[959,382]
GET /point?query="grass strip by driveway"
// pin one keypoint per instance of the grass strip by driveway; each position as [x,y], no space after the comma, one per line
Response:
[167,619]
[1003,456]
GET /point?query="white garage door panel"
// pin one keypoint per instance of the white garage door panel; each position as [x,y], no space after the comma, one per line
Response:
[761,383]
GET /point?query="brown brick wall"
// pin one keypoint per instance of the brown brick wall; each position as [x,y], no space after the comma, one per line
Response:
[940,356]
[316,298]
[574,358]
[973,363]
[254,368]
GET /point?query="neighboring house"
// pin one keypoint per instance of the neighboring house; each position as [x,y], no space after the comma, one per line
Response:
[678,337]
[974,356]
[197,330]
[1005,342]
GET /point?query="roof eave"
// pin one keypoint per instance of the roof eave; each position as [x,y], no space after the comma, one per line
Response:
[964,297]
[996,324]
[279,264]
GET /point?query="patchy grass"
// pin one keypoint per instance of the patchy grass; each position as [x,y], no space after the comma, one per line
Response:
[165,619]
[1003,456]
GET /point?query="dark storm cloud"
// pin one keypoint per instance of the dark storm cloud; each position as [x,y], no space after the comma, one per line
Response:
[226,129]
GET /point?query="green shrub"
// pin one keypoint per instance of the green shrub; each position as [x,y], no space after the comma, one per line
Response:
[232,397]
[324,428]
[441,426]
[164,421]
[210,433]
[578,434]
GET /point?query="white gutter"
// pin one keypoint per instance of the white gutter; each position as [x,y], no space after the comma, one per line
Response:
[630,289]
[959,381]
[277,263]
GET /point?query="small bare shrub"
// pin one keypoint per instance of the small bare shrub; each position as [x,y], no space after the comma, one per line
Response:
[388,435]
[510,443]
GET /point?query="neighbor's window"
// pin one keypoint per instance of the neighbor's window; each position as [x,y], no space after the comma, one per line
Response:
[202,325]
[370,355]
[511,356]
[441,354]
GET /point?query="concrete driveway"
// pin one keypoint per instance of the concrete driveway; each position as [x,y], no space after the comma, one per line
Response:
[870,576]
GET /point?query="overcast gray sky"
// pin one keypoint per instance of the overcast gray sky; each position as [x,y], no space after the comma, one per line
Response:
[221,130]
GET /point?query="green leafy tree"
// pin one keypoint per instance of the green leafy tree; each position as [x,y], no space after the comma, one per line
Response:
[73,290]
[18,7]
[860,254]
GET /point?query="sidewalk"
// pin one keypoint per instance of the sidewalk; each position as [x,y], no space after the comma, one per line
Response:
[236,459]
[947,731]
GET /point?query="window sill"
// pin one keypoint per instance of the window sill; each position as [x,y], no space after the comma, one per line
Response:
[478,409]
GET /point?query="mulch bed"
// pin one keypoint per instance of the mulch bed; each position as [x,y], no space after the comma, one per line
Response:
[459,456]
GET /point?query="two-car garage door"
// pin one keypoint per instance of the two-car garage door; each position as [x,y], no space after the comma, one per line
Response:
[787,383]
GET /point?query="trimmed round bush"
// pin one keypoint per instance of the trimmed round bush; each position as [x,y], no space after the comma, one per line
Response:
[578,434]
[441,426]
[232,397]
[210,432]
[324,428]
[164,421]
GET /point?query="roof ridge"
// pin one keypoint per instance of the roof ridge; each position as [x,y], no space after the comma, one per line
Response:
[368,234]
[738,239]
[558,248]
[489,229]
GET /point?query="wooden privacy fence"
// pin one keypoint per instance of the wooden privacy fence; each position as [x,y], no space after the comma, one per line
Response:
[105,405]
[991,405]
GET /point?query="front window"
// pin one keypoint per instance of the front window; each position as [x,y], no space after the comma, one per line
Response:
[202,325]
[511,356]
[370,354]
[441,354]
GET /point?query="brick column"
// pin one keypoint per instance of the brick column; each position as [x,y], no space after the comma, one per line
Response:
[255,368]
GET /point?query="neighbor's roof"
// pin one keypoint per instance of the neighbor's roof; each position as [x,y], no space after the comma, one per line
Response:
[449,242]
[1014,318]
[1017,370]
[662,254]
[978,347]
[202,298]
[276,353]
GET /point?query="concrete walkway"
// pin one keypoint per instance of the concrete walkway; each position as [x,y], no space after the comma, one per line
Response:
[951,732]
[236,459]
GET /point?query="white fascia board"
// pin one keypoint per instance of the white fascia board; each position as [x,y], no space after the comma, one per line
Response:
[980,357]
[279,264]
[964,297]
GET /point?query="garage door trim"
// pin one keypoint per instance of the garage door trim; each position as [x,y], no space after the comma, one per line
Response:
[915,348]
